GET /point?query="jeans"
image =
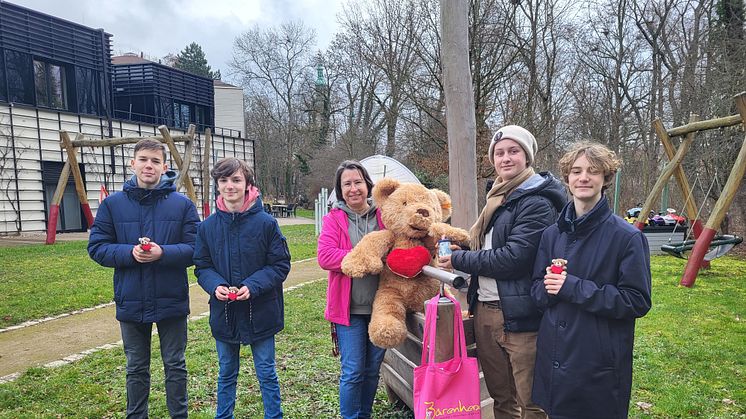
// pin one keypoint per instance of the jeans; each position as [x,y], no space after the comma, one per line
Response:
[263,353]
[507,361]
[136,338]
[361,364]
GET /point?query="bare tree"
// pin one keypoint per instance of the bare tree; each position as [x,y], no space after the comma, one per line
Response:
[535,95]
[385,33]
[358,116]
[275,66]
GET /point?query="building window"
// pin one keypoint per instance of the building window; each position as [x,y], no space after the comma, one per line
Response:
[20,77]
[182,115]
[85,83]
[201,117]
[51,85]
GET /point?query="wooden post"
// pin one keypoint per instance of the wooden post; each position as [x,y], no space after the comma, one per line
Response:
[187,158]
[110,142]
[179,163]
[690,204]
[726,121]
[72,159]
[206,191]
[54,206]
[445,330]
[721,206]
[460,119]
[669,170]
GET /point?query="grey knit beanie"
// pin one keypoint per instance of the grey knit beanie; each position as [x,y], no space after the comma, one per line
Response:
[518,134]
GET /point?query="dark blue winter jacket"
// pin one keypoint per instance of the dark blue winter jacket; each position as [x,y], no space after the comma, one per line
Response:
[146,292]
[517,226]
[237,249]
[584,348]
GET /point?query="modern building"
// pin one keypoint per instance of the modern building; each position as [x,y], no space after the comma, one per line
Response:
[229,108]
[58,75]
[150,92]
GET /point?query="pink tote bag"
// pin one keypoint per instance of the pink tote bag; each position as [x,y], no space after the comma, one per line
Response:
[448,389]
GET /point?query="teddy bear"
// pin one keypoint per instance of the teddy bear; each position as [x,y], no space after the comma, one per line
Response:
[413,216]
[558,267]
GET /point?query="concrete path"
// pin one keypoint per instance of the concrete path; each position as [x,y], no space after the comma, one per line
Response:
[69,337]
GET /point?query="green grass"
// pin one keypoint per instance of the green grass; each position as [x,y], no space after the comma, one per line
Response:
[305,213]
[95,386]
[37,281]
[690,355]
[690,350]
[301,240]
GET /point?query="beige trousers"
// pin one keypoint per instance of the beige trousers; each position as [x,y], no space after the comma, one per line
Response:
[507,361]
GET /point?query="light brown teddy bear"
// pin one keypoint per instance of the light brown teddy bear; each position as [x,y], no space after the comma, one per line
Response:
[413,216]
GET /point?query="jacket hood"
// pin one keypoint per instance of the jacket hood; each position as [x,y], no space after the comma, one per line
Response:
[352,214]
[164,187]
[230,216]
[568,223]
[543,184]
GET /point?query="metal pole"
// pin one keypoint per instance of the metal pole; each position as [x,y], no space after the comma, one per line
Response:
[616,191]
[316,214]
[664,199]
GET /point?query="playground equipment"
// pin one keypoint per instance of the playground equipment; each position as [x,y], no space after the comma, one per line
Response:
[703,236]
[719,246]
[71,166]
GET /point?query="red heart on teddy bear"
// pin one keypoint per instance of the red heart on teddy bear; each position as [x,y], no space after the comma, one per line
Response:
[408,263]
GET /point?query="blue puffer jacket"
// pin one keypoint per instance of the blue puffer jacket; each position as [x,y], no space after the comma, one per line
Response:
[146,292]
[584,349]
[237,249]
[517,226]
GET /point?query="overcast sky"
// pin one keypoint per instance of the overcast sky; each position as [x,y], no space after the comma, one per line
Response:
[157,27]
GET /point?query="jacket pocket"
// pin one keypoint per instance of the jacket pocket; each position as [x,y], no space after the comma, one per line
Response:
[605,343]
[266,314]
[285,246]
[222,320]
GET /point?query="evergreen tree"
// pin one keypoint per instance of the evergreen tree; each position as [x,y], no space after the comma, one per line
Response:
[192,59]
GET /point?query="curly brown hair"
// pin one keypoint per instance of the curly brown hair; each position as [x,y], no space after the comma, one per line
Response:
[599,156]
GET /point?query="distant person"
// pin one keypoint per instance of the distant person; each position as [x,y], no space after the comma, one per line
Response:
[241,260]
[584,348]
[520,205]
[146,233]
[349,301]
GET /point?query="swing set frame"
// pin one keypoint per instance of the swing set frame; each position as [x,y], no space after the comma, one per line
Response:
[703,235]
[71,166]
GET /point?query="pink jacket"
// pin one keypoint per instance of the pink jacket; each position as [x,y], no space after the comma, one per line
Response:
[334,245]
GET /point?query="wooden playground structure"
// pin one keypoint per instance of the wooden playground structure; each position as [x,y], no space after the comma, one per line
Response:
[703,235]
[182,164]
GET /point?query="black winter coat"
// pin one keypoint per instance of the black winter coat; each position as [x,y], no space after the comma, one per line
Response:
[584,348]
[237,249]
[518,224]
[146,292]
